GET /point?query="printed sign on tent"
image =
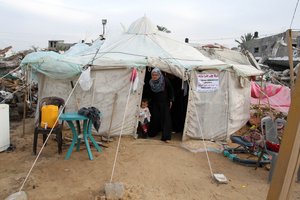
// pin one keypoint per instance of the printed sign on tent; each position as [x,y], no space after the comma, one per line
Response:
[207,82]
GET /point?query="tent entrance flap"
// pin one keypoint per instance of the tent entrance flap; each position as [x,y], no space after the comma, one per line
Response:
[179,105]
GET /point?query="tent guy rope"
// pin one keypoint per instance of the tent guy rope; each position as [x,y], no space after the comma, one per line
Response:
[37,157]
[123,120]
[295,10]
[220,178]
[204,143]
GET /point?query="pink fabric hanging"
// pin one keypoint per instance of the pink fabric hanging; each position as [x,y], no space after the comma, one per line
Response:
[279,97]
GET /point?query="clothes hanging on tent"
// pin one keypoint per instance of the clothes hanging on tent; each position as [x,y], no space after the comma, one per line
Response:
[93,114]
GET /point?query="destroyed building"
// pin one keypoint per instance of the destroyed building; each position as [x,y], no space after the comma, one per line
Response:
[273,50]
[59,45]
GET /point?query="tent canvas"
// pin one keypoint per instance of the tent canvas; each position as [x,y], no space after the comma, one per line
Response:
[141,46]
[230,105]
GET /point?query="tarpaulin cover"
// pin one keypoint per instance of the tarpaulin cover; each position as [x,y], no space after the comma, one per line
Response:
[277,96]
[62,66]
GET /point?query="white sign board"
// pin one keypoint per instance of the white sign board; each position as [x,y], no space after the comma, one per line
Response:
[207,82]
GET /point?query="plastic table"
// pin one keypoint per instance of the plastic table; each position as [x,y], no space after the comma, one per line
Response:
[87,133]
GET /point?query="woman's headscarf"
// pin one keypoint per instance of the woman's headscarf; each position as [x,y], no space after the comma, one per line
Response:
[159,84]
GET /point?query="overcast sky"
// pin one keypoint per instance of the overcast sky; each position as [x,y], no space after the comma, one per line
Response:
[24,23]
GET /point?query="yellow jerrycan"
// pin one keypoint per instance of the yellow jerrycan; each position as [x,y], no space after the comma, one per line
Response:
[49,116]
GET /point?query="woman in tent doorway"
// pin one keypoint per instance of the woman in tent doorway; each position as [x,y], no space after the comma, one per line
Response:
[161,101]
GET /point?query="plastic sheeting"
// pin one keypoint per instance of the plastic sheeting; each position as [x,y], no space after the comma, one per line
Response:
[275,96]
[62,66]
[85,80]
[81,49]
[77,49]
[52,64]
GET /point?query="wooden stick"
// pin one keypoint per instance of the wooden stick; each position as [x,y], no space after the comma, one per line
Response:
[260,95]
[286,166]
[24,109]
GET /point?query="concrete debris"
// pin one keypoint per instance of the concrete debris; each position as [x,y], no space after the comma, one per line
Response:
[12,92]
[4,51]
[12,84]
[114,191]
[278,77]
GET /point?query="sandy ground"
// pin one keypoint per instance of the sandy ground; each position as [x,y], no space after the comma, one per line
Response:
[149,169]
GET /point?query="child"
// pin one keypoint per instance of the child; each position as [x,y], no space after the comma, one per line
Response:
[144,119]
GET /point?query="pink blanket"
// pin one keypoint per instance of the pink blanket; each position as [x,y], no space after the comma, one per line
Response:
[279,97]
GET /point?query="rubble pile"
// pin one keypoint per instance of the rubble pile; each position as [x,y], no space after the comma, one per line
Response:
[278,77]
[12,84]
[9,60]
[262,111]
[12,92]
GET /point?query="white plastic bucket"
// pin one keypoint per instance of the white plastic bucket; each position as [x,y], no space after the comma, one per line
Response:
[4,127]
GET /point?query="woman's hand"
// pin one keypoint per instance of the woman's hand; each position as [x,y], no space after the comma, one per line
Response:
[171,104]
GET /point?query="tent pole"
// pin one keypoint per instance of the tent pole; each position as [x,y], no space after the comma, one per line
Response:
[228,104]
[24,103]
[112,115]
[93,95]
[76,100]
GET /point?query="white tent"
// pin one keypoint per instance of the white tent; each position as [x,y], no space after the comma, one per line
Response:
[141,46]
[231,103]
